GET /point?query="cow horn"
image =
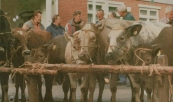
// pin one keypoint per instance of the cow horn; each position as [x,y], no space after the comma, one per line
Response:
[109,27]
[155,45]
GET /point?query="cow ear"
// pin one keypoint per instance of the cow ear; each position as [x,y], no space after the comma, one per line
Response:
[134,29]
[68,36]
[157,51]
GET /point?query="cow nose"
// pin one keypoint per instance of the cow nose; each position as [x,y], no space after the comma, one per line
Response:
[26,52]
[109,55]
[82,56]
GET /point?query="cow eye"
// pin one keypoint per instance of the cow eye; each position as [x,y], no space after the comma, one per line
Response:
[108,40]
[122,38]
[41,55]
[148,59]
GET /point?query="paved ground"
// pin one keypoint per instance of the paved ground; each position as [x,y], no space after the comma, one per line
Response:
[123,93]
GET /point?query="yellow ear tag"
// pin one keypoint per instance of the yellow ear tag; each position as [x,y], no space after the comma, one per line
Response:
[159,53]
[135,33]
[54,47]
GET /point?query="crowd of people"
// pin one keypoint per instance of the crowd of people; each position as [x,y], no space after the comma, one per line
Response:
[73,25]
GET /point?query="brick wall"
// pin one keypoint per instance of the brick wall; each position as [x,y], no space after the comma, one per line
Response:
[67,7]
[135,9]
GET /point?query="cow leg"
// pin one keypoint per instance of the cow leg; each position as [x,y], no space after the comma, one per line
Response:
[65,87]
[84,87]
[73,87]
[92,86]
[4,86]
[149,98]
[23,86]
[135,88]
[48,83]
[142,93]
[16,81]
[113,86]
[101,82]
[39,82]
[32,88]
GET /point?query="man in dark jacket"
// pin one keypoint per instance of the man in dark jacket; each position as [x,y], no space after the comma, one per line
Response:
[122,10]
[55,27]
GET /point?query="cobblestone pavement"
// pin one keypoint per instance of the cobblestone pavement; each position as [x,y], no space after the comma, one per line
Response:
[123,93]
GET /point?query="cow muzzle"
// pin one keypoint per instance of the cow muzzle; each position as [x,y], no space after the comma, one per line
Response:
[83,57]
[26,52]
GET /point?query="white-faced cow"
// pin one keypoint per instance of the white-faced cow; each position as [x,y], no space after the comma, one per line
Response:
[122,37]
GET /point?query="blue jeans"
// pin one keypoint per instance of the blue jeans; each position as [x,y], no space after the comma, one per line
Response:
[123,78]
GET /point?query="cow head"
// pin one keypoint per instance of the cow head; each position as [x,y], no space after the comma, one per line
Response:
[20,36]
[145,54]
[119,41]
[88,39]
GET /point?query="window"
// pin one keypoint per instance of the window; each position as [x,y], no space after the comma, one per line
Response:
[107,6]
[148,13]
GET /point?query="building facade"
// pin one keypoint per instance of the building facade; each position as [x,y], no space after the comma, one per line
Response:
[141,9]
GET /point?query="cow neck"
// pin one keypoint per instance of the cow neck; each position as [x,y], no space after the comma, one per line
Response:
[36,37]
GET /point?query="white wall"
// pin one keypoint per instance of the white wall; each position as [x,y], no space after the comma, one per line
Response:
[49,9]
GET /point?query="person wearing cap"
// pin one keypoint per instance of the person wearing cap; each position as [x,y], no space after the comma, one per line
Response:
[35,22]
[55,27]
[112,15]
[122,11]
[169,15]
[75,23]
[100,15]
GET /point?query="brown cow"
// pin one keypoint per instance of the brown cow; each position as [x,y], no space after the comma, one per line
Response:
[52,52]
[25,40]
[145,54]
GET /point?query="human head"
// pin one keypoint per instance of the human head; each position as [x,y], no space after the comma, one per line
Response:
[56,19]
[169,12]
[37,16]
[122,10]
[112,15]
[77,16]
[100,14]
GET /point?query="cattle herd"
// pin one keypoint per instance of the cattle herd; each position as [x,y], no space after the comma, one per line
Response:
[111,41]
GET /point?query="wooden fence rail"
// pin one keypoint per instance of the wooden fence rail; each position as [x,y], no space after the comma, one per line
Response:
[73,68]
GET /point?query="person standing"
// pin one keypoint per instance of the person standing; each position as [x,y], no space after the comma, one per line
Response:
[55,27]
[169,15]
[74,24]
[122,11]
[100,15]
[112,15]
[35,22]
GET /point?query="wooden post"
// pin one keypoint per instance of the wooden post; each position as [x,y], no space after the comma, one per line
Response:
[32,83]
[163,91]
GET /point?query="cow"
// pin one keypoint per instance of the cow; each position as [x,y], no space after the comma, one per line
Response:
[82,49]
[25,40]
[6,49]
[145,55]
[122,37]
[53,52]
